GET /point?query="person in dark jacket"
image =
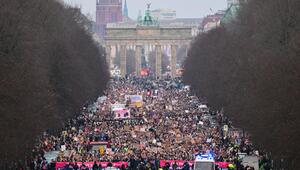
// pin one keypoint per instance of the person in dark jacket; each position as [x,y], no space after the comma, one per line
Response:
[95,166]
[174,166]
[186,166]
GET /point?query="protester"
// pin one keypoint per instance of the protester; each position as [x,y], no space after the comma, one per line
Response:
[168,125]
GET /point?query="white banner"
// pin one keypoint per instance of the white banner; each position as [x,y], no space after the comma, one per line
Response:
[115,107]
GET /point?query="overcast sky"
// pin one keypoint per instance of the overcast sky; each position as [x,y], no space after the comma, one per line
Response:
[184,8]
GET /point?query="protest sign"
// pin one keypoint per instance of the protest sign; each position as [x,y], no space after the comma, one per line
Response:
[122,114]
[116,107]
[135,100]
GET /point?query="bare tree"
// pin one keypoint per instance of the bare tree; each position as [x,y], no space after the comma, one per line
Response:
[250,67]
[49,68]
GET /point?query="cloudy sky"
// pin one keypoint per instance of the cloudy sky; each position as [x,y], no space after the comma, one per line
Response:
[184,8]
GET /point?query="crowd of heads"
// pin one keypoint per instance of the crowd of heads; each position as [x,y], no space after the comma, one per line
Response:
[169,125]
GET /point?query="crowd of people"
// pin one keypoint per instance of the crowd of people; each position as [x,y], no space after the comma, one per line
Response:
[169,125]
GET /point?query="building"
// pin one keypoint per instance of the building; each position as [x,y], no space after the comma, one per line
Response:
[212,21]
[230,14]
[107,11]
[146,36]
[235,2]
[232,2]
[232,11]
[164,14]
[194,23]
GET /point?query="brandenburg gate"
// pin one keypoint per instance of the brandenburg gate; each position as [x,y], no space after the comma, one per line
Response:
[147,34]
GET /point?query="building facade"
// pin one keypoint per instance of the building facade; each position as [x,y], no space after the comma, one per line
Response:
[107,11]
[164,14]
[230,14]
[232,2]
[212,21]
[235,2]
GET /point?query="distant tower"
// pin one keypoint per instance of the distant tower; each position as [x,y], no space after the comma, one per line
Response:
[125,10]
[107,11]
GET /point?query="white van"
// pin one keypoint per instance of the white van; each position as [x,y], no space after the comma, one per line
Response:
[204,162]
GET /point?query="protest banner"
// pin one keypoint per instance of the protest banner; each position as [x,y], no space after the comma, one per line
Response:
[116,107]
[179,163]
[136,100]
[61,165]
[122,114]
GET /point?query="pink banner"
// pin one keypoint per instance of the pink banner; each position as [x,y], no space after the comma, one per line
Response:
[222,164]
[98,143]
[179,163]
[61,165]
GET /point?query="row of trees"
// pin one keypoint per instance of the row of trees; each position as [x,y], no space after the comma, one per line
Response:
[251,68]
[49,68]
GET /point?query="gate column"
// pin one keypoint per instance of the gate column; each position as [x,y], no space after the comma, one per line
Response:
[123,61]
[173,60]
[138,62]
[158,61]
